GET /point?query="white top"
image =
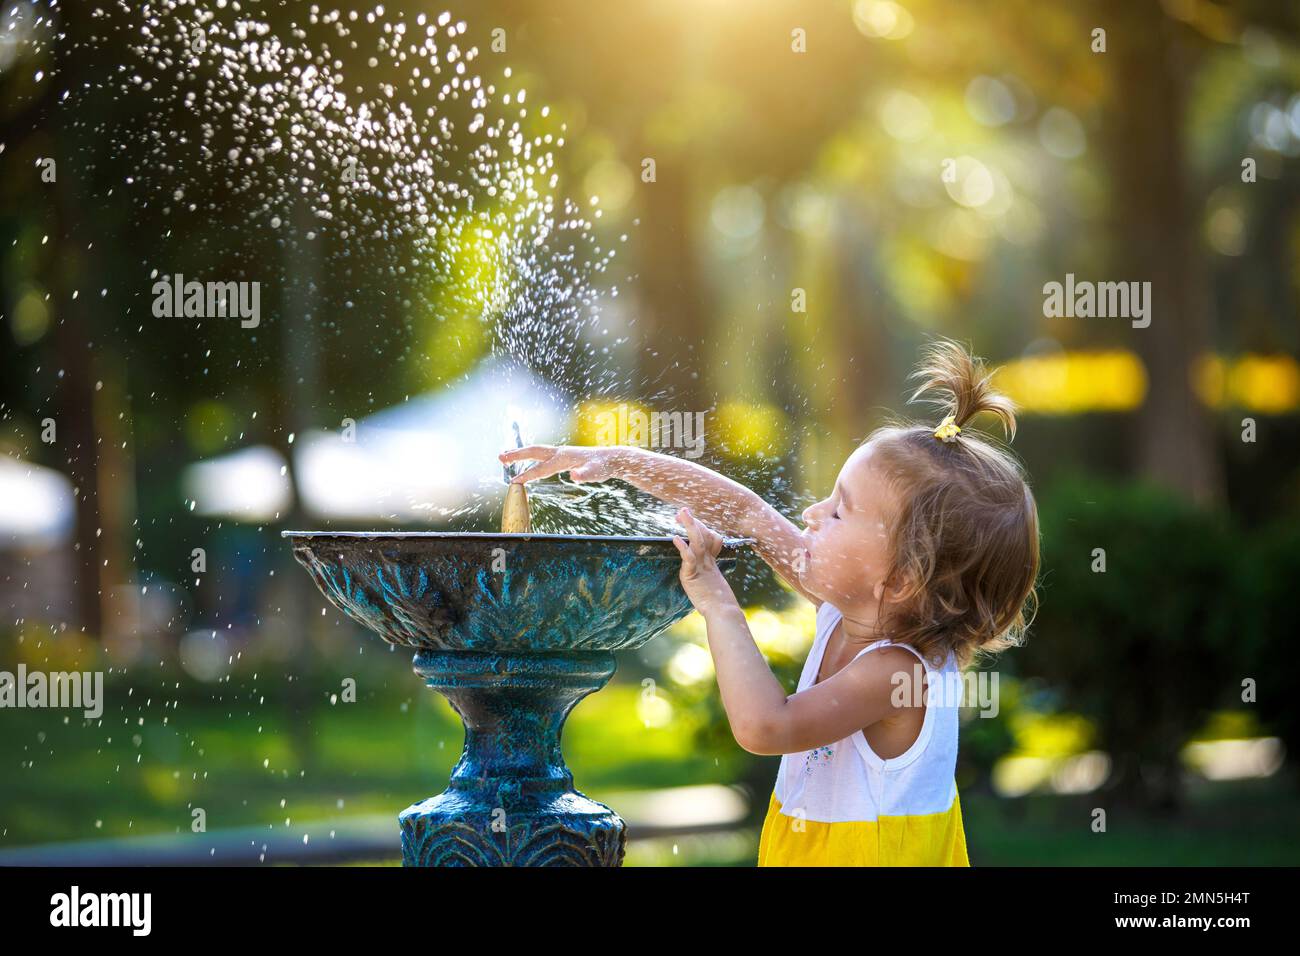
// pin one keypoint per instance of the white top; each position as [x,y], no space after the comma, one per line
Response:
[847,780]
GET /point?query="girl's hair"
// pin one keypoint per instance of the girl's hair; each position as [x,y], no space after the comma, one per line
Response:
[965,541]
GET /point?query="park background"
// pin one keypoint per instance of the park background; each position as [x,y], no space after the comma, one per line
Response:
[1171,447]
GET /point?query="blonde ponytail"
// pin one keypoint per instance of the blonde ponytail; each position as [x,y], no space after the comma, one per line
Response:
[961,385]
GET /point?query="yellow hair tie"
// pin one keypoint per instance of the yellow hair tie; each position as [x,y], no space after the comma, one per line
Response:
[948,430]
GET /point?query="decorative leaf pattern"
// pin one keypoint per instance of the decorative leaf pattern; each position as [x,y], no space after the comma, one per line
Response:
[440,592]
[542,841]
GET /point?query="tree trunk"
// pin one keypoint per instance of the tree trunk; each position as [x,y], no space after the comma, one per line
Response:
[673,302]
[1157,231]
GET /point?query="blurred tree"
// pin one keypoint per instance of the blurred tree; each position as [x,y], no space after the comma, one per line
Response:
[1156,213]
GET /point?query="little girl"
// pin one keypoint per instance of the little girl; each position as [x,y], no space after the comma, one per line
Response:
[925,552]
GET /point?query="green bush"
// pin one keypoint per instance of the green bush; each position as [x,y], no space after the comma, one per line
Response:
[1265,583]
[1144,648]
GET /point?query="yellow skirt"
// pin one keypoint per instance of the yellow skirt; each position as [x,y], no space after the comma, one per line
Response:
[934,839]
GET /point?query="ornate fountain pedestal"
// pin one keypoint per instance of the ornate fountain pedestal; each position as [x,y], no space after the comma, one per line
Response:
[514,630]
[511,800]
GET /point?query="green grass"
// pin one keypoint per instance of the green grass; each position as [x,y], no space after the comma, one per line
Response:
[132,774]
[1238,823]
[1227,823]
[257,762]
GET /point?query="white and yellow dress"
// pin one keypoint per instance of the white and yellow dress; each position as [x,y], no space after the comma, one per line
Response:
[843,805]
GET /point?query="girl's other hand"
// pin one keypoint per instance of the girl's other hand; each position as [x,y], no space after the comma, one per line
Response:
[701,579]
[582,464]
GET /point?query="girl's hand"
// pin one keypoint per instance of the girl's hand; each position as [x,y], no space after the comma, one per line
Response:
[701,579]
[582,463]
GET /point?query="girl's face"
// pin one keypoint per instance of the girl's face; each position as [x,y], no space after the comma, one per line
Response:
[847,539]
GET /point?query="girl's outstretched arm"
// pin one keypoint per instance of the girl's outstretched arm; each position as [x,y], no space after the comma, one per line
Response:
[726,504]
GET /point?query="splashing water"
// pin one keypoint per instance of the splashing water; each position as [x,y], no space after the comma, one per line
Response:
[376,137]
[379,143]
[559,505]
[450,176]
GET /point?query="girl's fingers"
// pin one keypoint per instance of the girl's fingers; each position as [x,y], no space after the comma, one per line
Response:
[688,522]
[543,469]
[705,542]
[536,452]
[688,559]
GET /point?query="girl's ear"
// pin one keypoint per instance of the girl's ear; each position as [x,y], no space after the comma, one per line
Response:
[893,589]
